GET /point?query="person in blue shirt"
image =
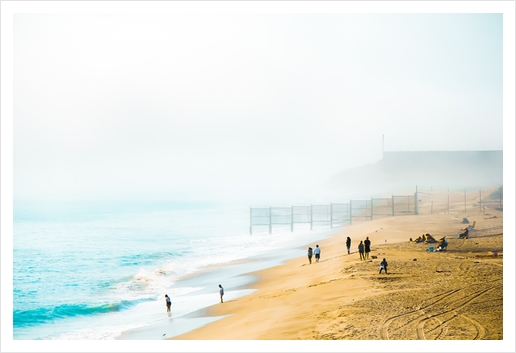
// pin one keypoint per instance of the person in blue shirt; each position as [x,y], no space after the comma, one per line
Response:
[317,253]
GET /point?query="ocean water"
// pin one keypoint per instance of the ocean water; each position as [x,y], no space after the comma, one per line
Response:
[94,271]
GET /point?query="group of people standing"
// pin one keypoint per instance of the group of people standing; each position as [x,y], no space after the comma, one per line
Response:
[364,248]
[312,252]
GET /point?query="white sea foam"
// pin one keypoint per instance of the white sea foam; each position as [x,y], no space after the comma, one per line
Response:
[134,260]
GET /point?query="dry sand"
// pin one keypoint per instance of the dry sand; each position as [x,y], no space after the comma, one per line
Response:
[452,295]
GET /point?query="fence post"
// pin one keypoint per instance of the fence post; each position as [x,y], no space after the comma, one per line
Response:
[331,215]
[270,220]
[372,208]
[448,200]
[464,199]
[250,221]
[480,201]
[350,212]
[416,204]
[392,205]
[311,216]
[292,219]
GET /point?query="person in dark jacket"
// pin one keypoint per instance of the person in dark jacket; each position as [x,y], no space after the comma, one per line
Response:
[221,292]
[367,247]
[168,302]
[383,266]
[310,252]
[361,250]
[348,244]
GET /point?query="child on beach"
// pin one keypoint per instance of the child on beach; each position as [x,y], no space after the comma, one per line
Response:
[317,253]
[309,254]
[221,291]
[168,302]
[348,244]
[383,266]
[361,250]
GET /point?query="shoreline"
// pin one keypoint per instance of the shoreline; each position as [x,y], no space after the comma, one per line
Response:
[215,310]
[284,306]
[240,275]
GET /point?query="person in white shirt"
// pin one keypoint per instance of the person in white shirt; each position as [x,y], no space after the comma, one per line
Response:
[317,253]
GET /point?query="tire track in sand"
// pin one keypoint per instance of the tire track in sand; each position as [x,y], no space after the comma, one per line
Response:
[448,310]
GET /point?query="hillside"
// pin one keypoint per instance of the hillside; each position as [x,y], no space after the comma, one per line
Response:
[398,170]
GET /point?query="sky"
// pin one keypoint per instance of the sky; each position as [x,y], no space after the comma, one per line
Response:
[247,106]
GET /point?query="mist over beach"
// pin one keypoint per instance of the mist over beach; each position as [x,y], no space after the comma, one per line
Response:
[140,139]
[247,107]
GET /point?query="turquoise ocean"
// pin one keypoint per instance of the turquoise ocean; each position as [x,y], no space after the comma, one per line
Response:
[97,270]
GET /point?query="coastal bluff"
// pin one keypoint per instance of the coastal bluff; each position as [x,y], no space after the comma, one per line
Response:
[441,169]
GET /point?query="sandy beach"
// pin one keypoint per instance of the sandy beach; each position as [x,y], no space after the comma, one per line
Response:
[455,294]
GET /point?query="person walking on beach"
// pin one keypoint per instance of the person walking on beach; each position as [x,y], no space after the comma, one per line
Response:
[367,247]
[348,244]
[383,266]
[361,250]
[221,291]
[168,302]
[309,254]
[317,253]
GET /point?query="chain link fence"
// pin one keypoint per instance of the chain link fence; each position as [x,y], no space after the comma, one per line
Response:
[425,200]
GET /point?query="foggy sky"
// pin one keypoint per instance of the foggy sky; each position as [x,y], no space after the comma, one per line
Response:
[211,106]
